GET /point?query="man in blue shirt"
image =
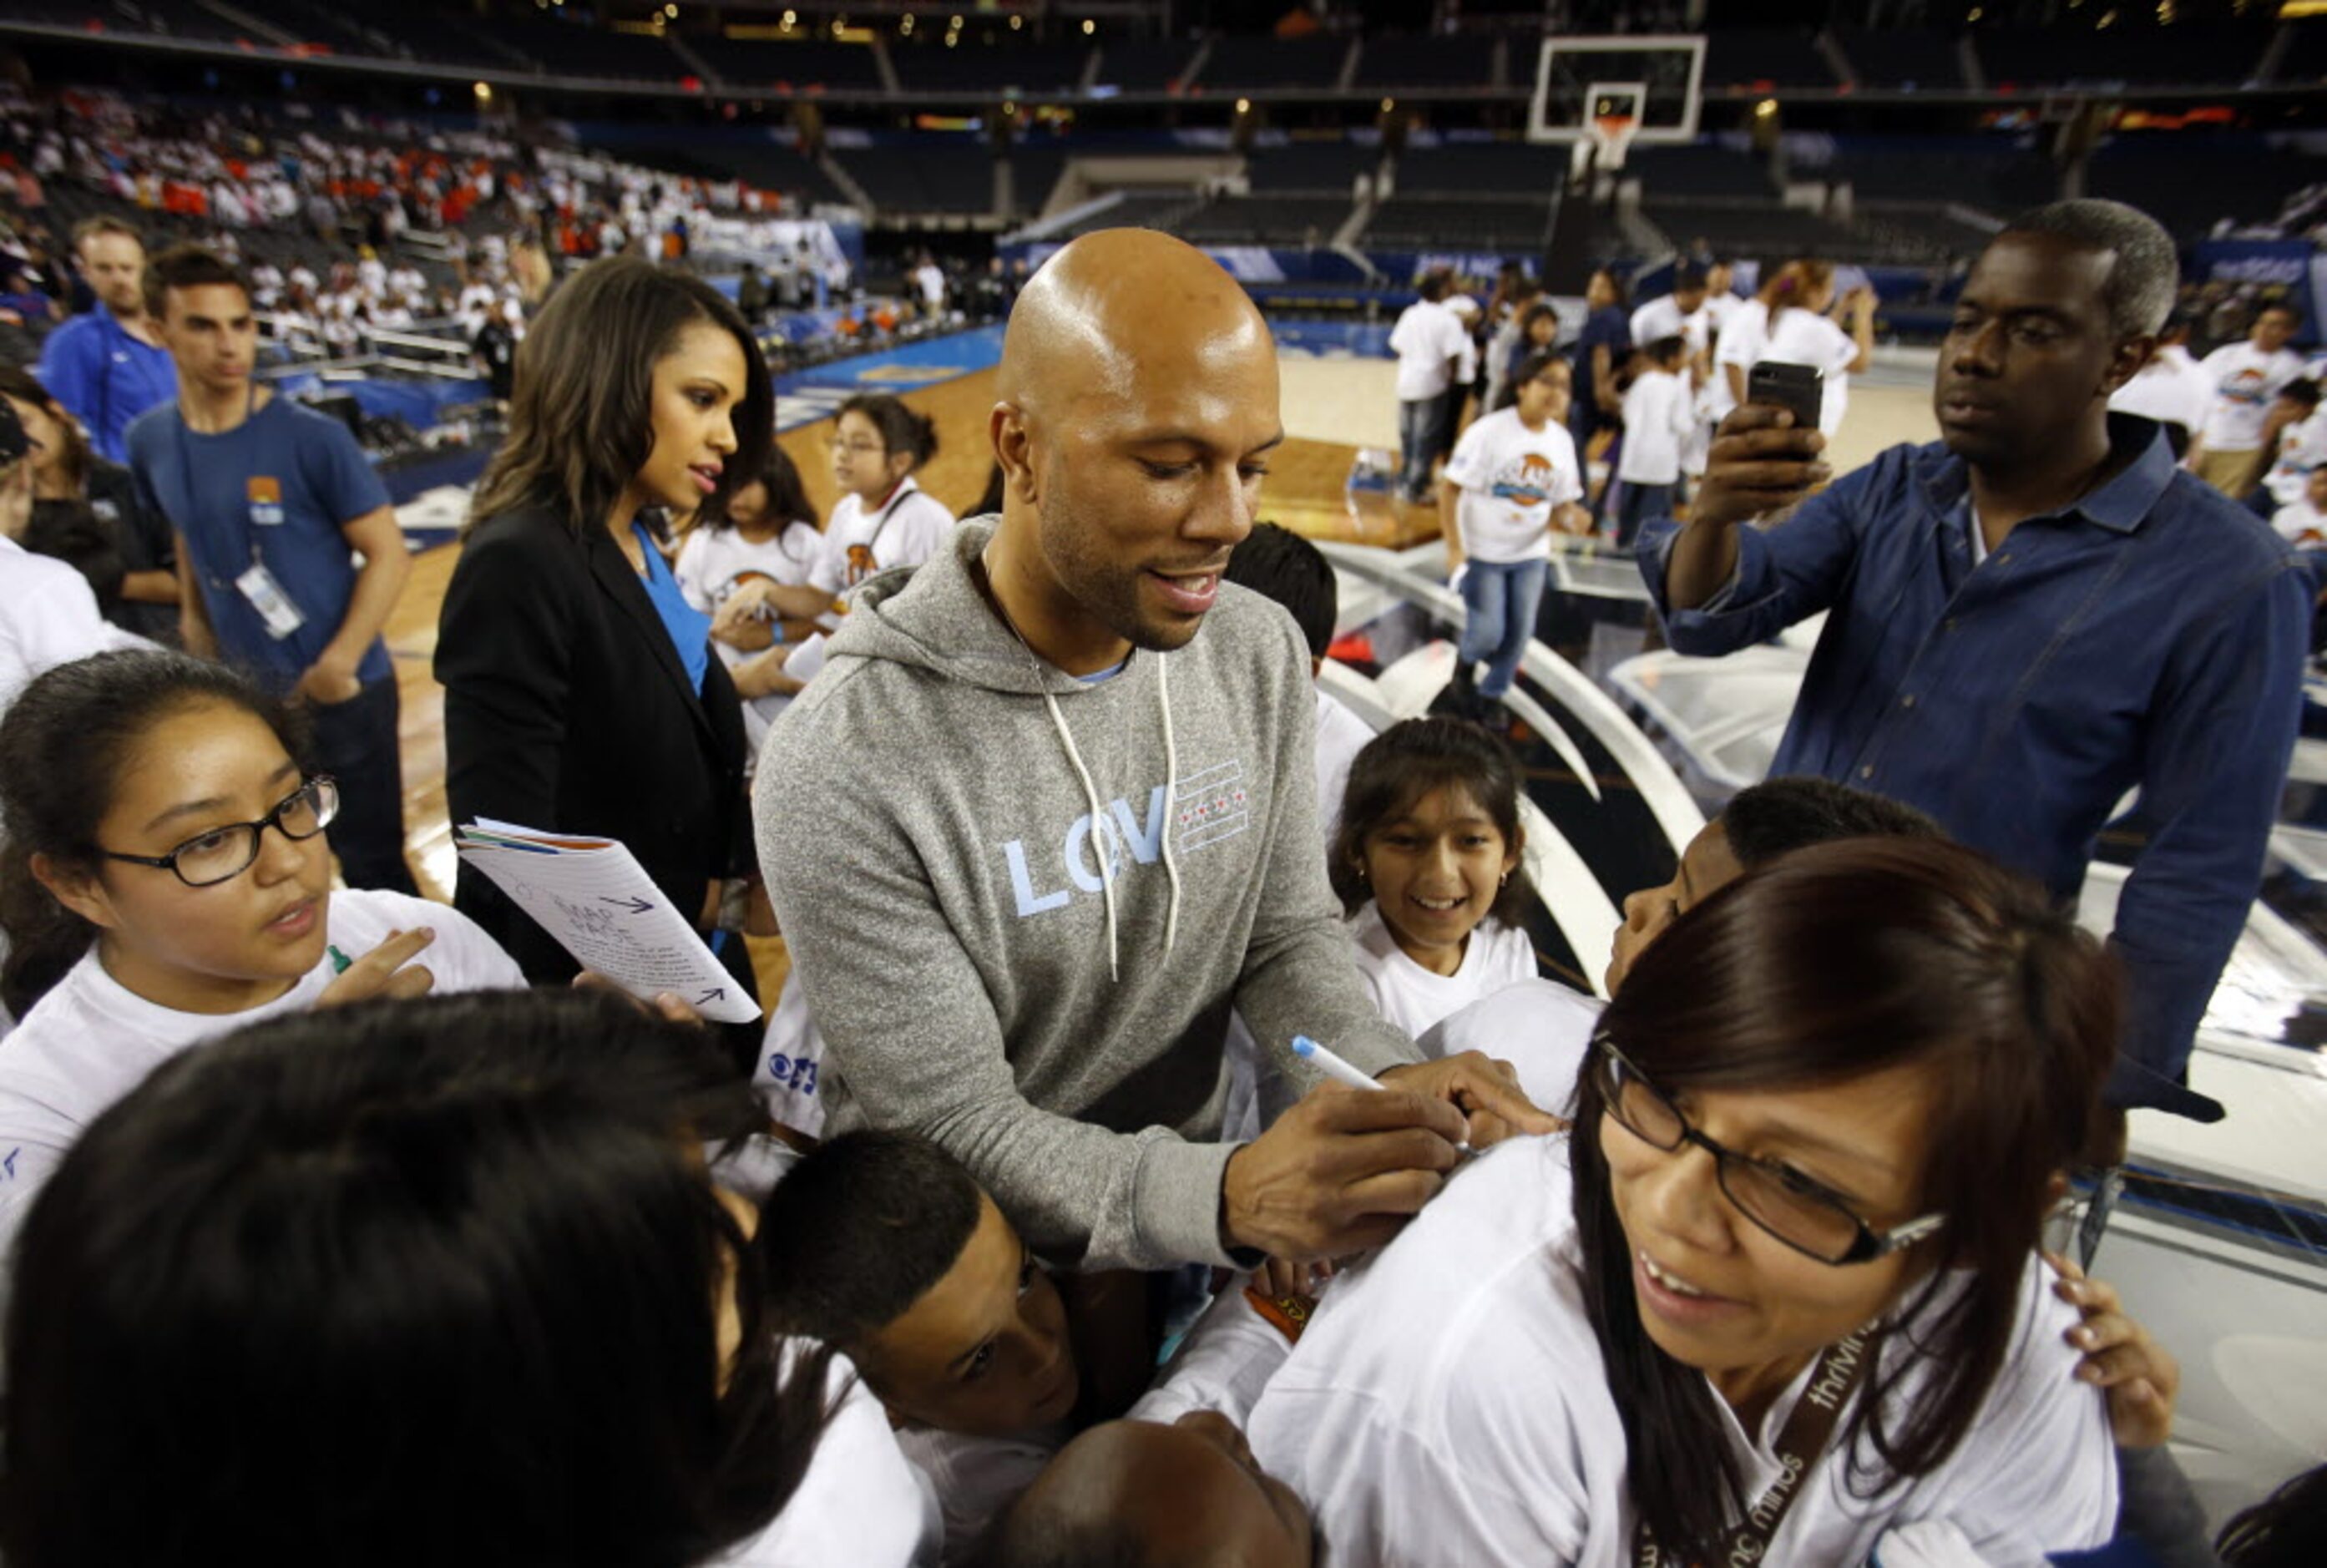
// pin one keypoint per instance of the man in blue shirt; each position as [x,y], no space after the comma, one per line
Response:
[108,367]
[2030,617]
[271,503]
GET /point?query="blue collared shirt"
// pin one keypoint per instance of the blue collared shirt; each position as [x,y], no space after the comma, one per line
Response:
[2151,634]
[105,378]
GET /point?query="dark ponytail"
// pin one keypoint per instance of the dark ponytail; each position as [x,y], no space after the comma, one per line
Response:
[63,744]
[902,429]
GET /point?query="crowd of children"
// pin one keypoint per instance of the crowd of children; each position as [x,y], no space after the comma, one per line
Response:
[410,1263]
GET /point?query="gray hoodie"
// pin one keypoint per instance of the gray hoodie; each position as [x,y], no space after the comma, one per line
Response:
[926,814]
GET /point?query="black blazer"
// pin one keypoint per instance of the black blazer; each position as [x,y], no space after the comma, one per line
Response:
[567,708]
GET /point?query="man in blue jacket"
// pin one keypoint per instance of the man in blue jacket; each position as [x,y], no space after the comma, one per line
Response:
[108,367]
[2032,617]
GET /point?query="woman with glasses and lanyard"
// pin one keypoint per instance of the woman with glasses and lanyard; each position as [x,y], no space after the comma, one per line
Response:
[1776,1297]
[163,878]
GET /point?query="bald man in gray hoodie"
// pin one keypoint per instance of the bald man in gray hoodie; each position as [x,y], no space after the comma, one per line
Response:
[1031,836]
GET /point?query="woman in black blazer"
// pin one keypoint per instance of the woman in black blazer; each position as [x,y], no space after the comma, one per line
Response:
[580,696]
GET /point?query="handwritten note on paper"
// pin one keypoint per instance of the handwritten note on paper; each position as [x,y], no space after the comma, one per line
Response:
[593,897]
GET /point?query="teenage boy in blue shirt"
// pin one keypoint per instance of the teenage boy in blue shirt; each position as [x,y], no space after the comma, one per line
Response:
[2030,617]
[271,503]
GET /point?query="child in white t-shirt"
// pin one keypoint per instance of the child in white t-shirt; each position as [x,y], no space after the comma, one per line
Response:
[1513,477]
[165,880]
[1659,414]
[462,1248]
[883,519]
[1803,335]
[1427,863]
[2302,523]
[766,534]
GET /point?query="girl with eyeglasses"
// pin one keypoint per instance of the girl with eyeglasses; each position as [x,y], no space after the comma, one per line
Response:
[1776,1297]
[164,878]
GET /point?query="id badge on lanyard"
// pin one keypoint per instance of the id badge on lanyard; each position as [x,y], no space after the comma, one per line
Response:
[257,585]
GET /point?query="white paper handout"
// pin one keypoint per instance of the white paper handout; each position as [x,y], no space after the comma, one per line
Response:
[593,897]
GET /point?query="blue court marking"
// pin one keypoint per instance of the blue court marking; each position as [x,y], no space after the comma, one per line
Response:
[1332,340]
[805,396]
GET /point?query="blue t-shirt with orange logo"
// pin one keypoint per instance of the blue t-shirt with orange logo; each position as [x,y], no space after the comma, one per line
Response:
[275,491]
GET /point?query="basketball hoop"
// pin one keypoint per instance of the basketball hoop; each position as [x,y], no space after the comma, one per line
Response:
[1614,117]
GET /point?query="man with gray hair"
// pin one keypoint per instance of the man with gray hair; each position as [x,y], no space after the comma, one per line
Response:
[2032,616]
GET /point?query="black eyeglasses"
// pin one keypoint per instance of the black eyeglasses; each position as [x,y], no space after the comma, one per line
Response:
[1779,1199]
[225,853]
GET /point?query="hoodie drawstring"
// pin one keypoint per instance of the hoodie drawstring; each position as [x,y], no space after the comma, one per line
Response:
[1090,794]
[1099,824]
[1170,795]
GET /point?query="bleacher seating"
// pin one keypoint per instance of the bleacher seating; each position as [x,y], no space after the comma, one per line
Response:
[1908,56]
[929,66]
[1412,62]
[1311,166]
[1406,222]
[2190,183]
[1706,169]
[1035,169]
[1292,222]
[765,165]
[562,49]
[2305,60]
[1762,230]
[1919,234]
[1138,210]
[1483,167]
[776,63]
[1764,57]
[1134,65]
[951,175]
[2188,52]
[1994,174]
[154,18]
[1255,63]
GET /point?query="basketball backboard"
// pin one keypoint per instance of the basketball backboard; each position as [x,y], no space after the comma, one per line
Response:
[1575,78]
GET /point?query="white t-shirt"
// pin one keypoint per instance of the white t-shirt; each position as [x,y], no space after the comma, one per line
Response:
[2172,389]
[1801,337]
[714,563]
[2302,447]
[1720,310]
[932,284]
[48,617]
[1448,1405]
[1426,337]
[1661,318]
[1222,1363]
[1340,736]
[1512,478]
[904,532]
[1539,1026]
[92,1039]
[858,1503]
[790,1069]
[2301,523]
[1744,336]
[973,1480]
[1659,416]
[1413,998]
[2245,381]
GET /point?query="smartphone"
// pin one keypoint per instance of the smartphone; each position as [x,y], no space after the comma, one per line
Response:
[1799,390]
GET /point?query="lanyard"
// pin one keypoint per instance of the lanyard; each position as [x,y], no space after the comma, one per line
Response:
[193,491]
[1840,1368]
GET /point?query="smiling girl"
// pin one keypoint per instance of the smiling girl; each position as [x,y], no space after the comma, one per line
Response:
[1427,861]
[580,696]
